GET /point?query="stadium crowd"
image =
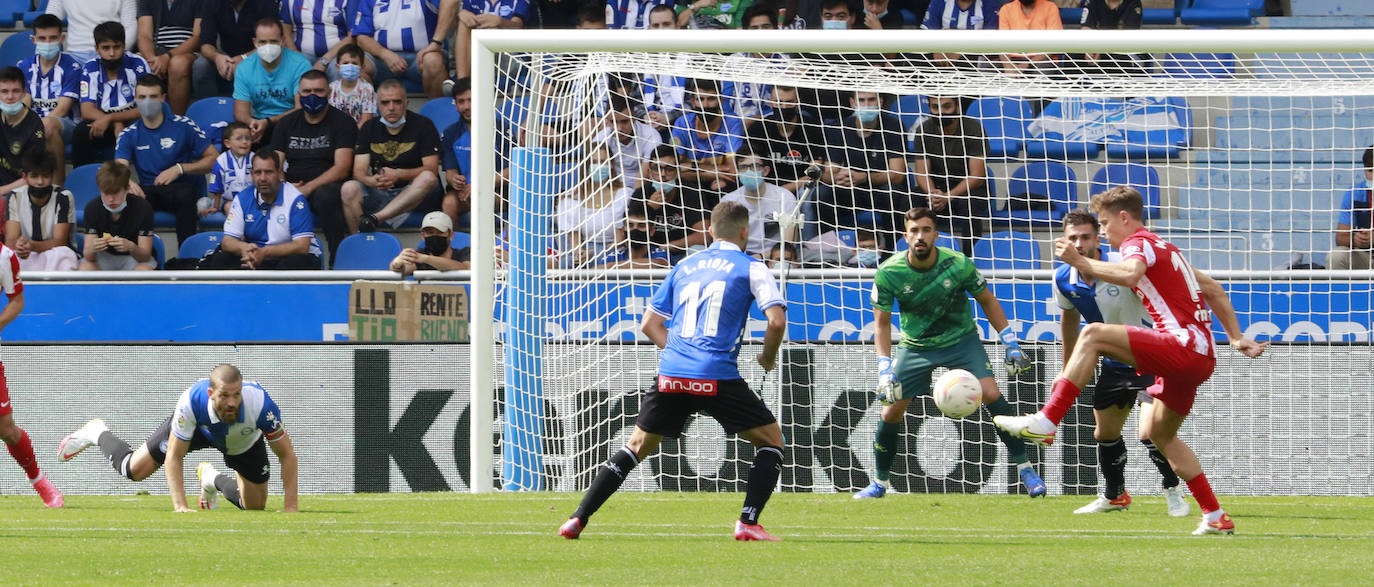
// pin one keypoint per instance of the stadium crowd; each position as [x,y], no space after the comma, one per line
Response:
[114,88]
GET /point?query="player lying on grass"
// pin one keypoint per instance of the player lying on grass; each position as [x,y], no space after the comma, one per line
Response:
[222,412]
[931,286]
[1084,297]
[707,298]
[1179,349]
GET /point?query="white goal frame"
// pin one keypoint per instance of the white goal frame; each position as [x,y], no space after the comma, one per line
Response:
[486,44]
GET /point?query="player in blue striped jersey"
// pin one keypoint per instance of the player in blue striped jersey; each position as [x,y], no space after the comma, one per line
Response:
[223,412]
[1085,298]
[404,39]
[53,79]
[107,94]
[697,318]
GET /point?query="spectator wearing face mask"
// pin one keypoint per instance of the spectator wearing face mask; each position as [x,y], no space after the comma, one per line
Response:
[166,152]
[118,225]
[107,95]
[20,131]
[265,82]
[766,201]
[435,250]
[882,15]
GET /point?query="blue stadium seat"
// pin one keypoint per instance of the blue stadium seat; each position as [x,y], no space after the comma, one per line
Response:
[81,181]
[17,46]
[1004,121]
[461,240]
[199,244]
[1210,250]
[1140,176]
[1157,143]
[441,111]
[1222,12]
[909,109]
[1199,65]
[159,251]
[212,115]
[1311,66]
[1006,250]
[1303,106]
[212,220]
[1163,16]
[1049,181]
[33,14]
[367,250]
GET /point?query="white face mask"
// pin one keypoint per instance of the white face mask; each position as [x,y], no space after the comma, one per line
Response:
[269,53]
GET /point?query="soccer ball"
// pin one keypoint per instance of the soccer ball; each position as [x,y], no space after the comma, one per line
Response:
[958,393]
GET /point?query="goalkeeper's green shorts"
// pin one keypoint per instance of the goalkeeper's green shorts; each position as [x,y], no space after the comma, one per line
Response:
[912,368]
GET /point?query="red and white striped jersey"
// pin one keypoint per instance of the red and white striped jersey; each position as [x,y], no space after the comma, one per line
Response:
[9,272]
[1170,291]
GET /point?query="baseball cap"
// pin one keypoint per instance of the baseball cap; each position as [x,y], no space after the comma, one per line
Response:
[438,221]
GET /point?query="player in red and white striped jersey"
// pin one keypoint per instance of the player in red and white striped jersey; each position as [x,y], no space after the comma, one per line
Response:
[16,440]
[1179,349]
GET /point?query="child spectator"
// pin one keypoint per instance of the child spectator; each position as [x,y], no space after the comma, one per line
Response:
[107,95]
[41,217]
[351,94]
[233,168]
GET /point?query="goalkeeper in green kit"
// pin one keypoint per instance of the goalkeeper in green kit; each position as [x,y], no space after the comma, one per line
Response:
[929,286]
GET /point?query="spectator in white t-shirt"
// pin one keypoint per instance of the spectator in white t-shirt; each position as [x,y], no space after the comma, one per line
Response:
[589,214]
[766,201]
[630,140]
[83,15]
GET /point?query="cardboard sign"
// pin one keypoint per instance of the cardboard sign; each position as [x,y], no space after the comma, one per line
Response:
[405,311]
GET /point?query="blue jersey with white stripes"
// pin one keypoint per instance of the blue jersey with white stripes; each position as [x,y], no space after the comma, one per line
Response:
[318,24]
[630,14]
[1100,301]
[62,81]
[258,416]
[112,93]
[706,299]
[399,25]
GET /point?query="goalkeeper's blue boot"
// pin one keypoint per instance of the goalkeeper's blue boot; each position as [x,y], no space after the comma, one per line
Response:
[1034,485]
[873,491]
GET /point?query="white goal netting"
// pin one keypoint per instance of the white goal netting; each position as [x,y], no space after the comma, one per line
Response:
[606,164]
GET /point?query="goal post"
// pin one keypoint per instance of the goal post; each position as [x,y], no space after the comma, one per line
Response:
[1254,173]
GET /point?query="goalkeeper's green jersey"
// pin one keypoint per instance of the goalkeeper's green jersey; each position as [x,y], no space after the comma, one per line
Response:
[933,304]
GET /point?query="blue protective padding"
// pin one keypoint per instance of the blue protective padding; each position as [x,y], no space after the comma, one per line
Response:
[531,194]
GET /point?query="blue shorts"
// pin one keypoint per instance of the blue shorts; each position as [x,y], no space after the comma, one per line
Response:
[412,71]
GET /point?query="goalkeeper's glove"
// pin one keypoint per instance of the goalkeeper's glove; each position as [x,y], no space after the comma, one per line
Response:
[888,388]
[1017,362]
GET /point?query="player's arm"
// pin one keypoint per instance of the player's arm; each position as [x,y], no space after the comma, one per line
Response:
[176,453]
[772,337]
[655,326]
[286,455]
[1220,302]
[1125,273]
[1017,361]
[1068,330]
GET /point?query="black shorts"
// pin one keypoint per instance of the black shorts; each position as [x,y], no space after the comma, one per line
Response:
[1119,387]
[734,405]
[251,464]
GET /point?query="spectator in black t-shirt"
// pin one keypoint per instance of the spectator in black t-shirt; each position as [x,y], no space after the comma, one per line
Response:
[950,165]
[21,130]
[395,164]
[119,225]
[168,41]
[226,38]
[865,171]
[316,142]
[1105,15]
[678,212]
[790,138]
[435,250]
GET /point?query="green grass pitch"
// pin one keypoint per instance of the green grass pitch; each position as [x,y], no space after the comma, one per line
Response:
[678,538]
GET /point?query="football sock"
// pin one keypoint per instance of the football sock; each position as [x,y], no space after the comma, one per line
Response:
[228,485]
[885,448]
[607,481]
[1062,396]
[117,452]
[1016,448]
[1111,457]
[763,476]
[1161,463]
[1202,492]
[22,452]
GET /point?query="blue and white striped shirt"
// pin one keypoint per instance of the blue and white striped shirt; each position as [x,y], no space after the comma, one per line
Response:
[112,94]
[319,24]
[399,25]
[62,81]
[630,14]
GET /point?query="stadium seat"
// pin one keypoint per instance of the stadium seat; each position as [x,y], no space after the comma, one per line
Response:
[367,250]
[1006,250]
[212,115]
[441,111]
[1140,176]
[1199,65]
[1004,122]
[909,109]
[461,240]
[1160,143]
[1163,16]
[33,14]
[212,220]
[17,46]
[159,251]
[1039,181]
[1222,12]
[81,182]
[199,244]
[169,220]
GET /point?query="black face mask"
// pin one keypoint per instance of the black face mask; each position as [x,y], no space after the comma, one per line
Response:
[436,245]
[112,64]
[40,193]
[639,238]
[789,113]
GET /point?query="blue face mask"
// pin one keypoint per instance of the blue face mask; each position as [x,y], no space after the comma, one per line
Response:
[665,186]
[751,179]
[834,25]
[314,103]
[868,258]
[388,124]
[48,50]
[866,114]
[121,207]
[601,172]
[11,109]
[350,71]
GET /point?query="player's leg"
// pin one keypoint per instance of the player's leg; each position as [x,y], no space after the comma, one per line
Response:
[1096,340]
[740,411]
[17,442]
[134,465]
[1163,425]
[1173,492]
[246,488]
[1110,417]
[911,369]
